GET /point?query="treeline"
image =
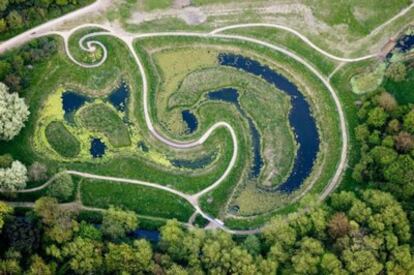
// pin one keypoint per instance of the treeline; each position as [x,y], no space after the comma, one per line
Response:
[386,134]
[15,66]
[19,15]
[367,233]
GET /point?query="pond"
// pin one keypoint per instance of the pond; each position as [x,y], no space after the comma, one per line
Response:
[119,97]
[300,118]
[71,102]
[193,164]
[143,147]
[191,121]
[405,43]
[97,148]
[231,95]
[149,235]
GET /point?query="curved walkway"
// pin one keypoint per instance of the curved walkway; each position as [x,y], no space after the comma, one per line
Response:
[298,34]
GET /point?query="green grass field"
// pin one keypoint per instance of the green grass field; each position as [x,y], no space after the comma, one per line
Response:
[104,119]
[143,200]
[61,140]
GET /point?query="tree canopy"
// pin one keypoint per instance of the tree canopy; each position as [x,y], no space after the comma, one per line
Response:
[13,113]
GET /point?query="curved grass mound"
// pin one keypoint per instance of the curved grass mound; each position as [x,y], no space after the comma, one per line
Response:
[102,118]
[61,140]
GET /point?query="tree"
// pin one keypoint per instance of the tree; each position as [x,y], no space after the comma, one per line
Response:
[383,155]
[396,71]
[308,257]
[38,266]
[6,161]
[84,256]
[330,264]
[361,262]
[10,267]
[387,101]
[362,133]
[127,259]
[116,222]
[14,20]
[394,126]
[5,66]
[5,210]
[88,231]
[404,142]
[62,187]
[172,236]
[13,113]
[13,178]
[3,26]
[278,230]
[23,234]
[409,122]
[14,82]
[252,245]
[37,172]
[3,4]
[377,117]
[338,225]
[401,174]
[176,270]
[401,260]
[59,225]
[220,255]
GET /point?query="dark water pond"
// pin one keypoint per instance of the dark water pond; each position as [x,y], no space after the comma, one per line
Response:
[193,164]
[191,121]
[232,96]
[405,43]
[300,118]
[143,147]
[149,235]
[71,102]
[119,97]
[97,148]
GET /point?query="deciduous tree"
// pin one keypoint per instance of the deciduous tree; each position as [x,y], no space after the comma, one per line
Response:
[13,113]
[396,71]
[117,222]
[13,178]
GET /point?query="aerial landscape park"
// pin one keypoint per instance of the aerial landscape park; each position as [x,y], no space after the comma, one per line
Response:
[206,137]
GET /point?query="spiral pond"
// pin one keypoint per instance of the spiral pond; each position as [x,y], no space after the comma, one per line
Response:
[300,118]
